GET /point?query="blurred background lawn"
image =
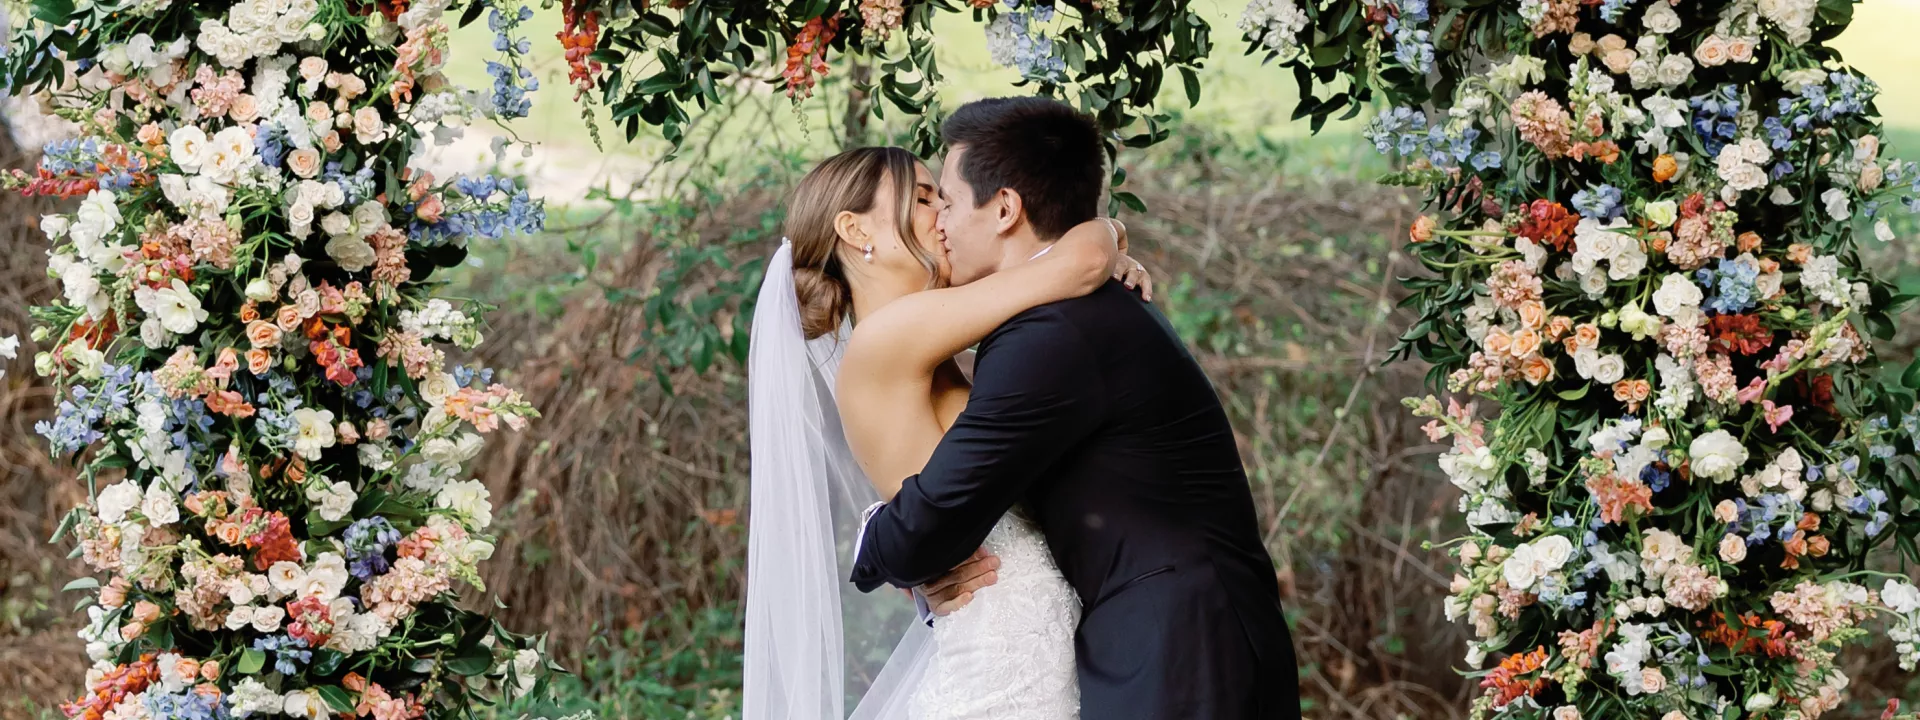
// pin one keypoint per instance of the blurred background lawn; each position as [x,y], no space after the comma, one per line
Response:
[622,513]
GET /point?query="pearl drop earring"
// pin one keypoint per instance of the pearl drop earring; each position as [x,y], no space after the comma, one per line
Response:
[869,252]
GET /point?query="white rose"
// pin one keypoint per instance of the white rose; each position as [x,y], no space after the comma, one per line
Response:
[351,253]
[1717,455]
[369,217]
[300,218]
[1678,299]
[436,388]
[1519,568]
[117,500]
[306,705]
[240,617]
[326,578]
[316,432]
[1609,369]
[286,577]
[452,452]
[1656,438]
[336,224]
[1663,213]
[333,501]
[1554,551]
[266,619]
[1674,70]
[187,146]
[1660,19]
[160,506]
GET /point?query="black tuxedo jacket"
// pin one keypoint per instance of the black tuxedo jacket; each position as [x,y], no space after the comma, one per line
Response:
[1092,412]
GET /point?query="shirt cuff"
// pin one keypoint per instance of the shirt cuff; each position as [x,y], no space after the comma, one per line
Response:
[922,611]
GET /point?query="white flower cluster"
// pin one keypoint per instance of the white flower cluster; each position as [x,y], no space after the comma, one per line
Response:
[1783,475]
[1742,166]
[306,200]
[257,28]
[1532,562]
[1595,243]
[141,55]
[9,349]
[1717,455]
[1793,17]
[1277,23]
[223,158]
[438,320]
[1821,276]
[347,234]
[1903,599]
[95,250]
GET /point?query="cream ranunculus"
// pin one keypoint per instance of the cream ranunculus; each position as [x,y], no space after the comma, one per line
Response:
[1717,455]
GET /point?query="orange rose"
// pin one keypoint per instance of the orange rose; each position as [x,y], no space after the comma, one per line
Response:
[1657,242]
[1526,342]
[1536,369]
[249,311]
[1422,230]
[263,335]
[229,533]
[1664,168]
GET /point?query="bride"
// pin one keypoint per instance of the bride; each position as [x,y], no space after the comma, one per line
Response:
[832,408]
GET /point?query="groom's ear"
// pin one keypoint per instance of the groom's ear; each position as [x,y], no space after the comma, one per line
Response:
[1011,209]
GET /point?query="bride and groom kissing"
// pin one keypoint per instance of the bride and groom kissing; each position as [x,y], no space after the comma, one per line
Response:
[1068,504]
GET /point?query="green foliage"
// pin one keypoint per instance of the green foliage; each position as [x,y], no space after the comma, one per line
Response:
[685,664]
[663,60]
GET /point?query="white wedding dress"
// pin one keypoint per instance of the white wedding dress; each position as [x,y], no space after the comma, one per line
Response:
[1007,655]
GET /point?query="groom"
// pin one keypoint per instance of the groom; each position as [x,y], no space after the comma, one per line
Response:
[1092,413]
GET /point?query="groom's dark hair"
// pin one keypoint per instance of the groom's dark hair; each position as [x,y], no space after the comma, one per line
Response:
[1041,148]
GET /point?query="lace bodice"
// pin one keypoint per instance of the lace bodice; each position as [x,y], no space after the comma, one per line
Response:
[1008,655]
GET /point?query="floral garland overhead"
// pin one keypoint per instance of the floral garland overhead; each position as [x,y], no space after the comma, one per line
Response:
[1645,252]
[249,354]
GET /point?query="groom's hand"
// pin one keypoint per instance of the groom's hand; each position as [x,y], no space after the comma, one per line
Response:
[955,589]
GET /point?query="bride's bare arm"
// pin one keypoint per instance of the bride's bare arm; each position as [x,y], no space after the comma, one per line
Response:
[918,332]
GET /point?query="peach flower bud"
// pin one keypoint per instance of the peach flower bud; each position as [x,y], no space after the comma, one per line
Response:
[1422,230]
[1664,168]
[1748,241]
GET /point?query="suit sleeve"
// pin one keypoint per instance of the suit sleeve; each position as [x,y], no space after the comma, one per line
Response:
[1038,392]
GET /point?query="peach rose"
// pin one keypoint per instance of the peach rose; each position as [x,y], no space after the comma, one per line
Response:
[1870,177]
[1619,61]
[132,630]
[1526,342]
[346,433]
[1799,253]
[1559,326]
[1748,241]
[1581,44]
[210,671]
[1712,52]
[1726,511]
[319,115]
[1497,342]
[1740,50]
[188,668]
[114,594]
[258,361]
[146,612]
[1586,335]
[1653,680]
[331,141]
[1733,548]
[1536,369]
[377,429]
[1533,313]
[249,311]
[430,209]
[244,109]
[262,334]
[304,162]
[288,318]
[151,135]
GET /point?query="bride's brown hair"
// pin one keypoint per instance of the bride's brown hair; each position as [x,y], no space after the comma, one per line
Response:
[846,182]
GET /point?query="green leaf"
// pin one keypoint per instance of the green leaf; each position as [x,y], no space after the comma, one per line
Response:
[1192,80]
[471,663]
[1911,378]
[85,583]
[325,662]
[336,697]
[1130,200]
[1575,394]
[250,662]
[53,12]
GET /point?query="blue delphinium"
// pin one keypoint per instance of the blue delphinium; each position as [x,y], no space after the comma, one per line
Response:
[1015,42]
[1412,46]
[367,541]
[75,424]
[288,653]
[1600,202]
[269,141]
[1734,286]
[1713,117]
[187,705]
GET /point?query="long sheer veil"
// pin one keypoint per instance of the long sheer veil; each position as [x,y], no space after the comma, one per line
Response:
[814,644]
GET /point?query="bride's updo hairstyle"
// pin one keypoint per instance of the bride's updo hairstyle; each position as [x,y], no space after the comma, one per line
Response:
[847,182]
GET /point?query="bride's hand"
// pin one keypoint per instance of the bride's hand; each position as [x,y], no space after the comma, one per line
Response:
[1135,276]
[955,589]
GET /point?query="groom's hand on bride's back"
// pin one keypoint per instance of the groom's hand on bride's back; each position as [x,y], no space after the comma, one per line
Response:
[955,589]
